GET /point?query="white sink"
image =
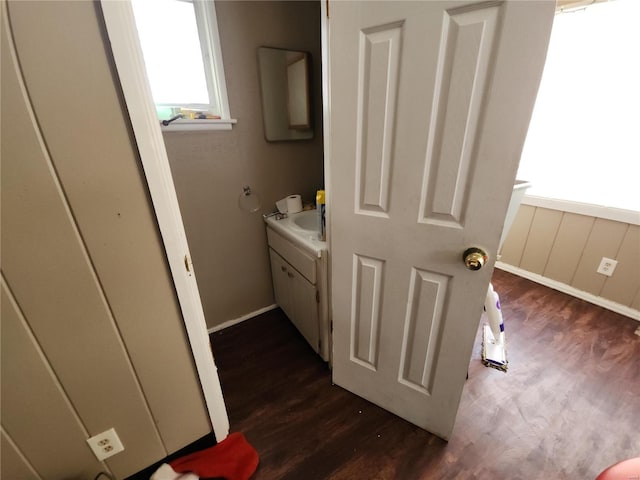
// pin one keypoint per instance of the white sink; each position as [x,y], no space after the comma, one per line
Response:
[307,220]
[301,228]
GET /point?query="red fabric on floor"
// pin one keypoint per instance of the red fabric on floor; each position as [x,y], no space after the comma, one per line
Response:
[233,459]
[629,469]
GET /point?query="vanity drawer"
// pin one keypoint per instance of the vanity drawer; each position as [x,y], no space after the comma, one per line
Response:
[298,258]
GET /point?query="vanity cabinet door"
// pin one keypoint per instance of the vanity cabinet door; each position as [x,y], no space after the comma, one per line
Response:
[305,308]
[297,297]
[281,289]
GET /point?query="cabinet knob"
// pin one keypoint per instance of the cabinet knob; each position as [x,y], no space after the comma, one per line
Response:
[283,268]
[290,275]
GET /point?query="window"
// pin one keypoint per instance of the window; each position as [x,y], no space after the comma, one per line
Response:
[181,48]
[583,143]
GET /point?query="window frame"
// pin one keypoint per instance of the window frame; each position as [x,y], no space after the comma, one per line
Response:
[207,21]
[209,36]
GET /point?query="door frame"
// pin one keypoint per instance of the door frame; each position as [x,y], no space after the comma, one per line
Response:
[127,55]
[325,35]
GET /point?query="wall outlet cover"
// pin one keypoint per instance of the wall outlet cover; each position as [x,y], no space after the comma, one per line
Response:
[105,444]
[607,266]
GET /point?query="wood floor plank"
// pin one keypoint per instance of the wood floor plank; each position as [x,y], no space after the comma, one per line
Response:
[567,408]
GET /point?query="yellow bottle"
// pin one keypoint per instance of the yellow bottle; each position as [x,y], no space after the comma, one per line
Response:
[320,206]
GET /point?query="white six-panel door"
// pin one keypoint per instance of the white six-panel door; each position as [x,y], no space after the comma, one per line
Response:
[429,106]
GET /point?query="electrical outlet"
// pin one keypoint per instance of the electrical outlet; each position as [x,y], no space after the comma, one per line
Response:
[607,266]
[105,444]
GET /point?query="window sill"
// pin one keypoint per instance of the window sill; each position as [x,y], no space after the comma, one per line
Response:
[617,214]
[198,125]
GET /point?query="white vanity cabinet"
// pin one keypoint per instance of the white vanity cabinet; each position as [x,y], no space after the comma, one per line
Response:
[297,298]
[299,284]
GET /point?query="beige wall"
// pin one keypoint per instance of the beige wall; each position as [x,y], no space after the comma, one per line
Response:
[567,247]
[228,245]
[92,335]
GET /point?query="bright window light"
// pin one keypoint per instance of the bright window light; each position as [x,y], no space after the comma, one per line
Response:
[583,143]
[169,38]
[180,45]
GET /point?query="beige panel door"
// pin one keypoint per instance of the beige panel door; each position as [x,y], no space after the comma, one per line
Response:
[430,103]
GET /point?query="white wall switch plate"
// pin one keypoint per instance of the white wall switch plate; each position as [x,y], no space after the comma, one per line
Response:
[607,266]
[105,444]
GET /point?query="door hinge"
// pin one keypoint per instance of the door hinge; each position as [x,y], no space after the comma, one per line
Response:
[317,296]
[331,326]
[327,8]
[187,266]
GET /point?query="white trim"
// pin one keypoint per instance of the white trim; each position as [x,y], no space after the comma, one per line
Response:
[196,125]
[569,290]
[120,24]
[325,37]
[235,321]
[207,11]
[599,211]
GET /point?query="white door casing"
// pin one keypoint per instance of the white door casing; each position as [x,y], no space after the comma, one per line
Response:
[429,105]
[127,54]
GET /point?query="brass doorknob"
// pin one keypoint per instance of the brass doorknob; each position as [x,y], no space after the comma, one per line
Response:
[474,258]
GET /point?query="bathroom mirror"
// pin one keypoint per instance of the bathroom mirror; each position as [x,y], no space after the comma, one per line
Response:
[284,86]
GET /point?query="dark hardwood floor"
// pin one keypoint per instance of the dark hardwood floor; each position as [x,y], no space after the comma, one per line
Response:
[568,407]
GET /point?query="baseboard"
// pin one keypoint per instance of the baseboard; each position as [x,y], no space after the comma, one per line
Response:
[235,321]
[569,290]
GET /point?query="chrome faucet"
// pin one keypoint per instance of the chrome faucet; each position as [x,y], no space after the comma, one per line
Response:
[277,214]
